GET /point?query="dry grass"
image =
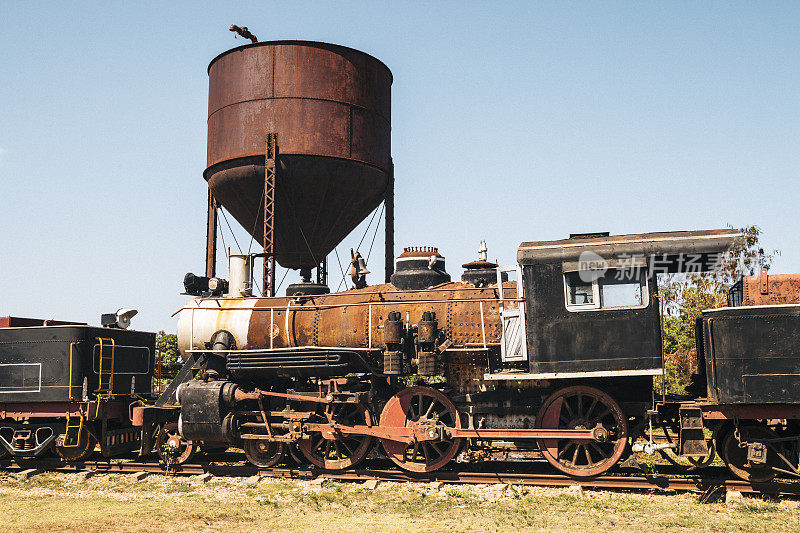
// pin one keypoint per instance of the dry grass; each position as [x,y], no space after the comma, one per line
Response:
[115,503]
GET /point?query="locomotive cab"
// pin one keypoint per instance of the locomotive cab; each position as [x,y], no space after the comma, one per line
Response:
[591,301]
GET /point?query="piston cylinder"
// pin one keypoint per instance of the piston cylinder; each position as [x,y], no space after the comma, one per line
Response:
[393,330]
[427,329]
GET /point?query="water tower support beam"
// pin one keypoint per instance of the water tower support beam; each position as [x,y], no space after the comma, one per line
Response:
[389,202]
[270,178]
[211,237]
[322,272]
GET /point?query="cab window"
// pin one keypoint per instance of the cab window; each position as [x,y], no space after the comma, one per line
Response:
[612,289]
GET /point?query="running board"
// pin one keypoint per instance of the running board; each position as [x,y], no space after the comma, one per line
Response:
[511,376]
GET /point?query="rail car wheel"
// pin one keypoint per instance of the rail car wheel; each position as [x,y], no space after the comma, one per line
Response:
[264,453]
[734,453]
[84,448]
[582,407]
[338,451]
[172,448]
[421,406]
[672,437]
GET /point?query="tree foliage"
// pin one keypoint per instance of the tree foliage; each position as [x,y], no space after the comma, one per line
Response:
[167,353]
[687,295]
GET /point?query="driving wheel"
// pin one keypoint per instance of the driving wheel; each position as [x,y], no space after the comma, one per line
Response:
[582,407]
[426,408]
[337,450]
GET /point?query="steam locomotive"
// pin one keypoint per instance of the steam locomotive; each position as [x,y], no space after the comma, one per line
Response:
[556,354]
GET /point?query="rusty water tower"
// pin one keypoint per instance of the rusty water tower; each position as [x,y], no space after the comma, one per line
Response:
[299,131]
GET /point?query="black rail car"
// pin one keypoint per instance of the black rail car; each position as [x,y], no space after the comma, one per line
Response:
[752,354]
[68,387]
[749,362]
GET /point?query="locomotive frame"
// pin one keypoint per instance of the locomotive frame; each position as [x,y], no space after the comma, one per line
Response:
[306,375]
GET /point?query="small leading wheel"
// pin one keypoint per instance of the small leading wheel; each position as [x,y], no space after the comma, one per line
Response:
[671,456]
[172,448]
[734,453]
[582,407]
[83,449]
[338,451]
[264,453]
[429,408]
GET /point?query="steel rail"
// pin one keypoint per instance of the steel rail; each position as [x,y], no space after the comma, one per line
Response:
[659,483]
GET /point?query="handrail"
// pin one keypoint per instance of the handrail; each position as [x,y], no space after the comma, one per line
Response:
[336,306]
[71,346]
[158,372]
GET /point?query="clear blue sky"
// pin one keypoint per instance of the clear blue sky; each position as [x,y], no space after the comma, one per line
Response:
[511,121]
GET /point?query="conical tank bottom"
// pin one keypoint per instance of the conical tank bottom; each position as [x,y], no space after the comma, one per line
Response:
[318,202]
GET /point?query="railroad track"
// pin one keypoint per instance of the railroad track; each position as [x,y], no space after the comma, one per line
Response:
[638,482]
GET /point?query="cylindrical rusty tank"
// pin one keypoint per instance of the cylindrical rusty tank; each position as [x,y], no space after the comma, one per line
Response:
[466,315]
[331,108]
[351,319]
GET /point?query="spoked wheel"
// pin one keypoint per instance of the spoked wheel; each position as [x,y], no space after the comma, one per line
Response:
[264,453]
[172,448]
[735,455]
[582,407]
[421,406]
[338,451]
[84,448]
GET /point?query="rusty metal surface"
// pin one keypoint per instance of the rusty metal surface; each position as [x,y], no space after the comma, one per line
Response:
[211,236]
[330,106]
[465,314]
[114,409]
[420,251]
[771,289]
[321,99]
[715,411]
[352,319]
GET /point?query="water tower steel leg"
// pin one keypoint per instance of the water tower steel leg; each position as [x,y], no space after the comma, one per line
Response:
[270,175]
[211,237]
[389,201]
[322,272]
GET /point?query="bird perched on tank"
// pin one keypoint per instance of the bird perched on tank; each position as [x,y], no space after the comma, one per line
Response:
[244,32]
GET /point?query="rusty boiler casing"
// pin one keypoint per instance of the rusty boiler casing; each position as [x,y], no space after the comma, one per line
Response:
[331,109]
[766,289]
[466,316]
